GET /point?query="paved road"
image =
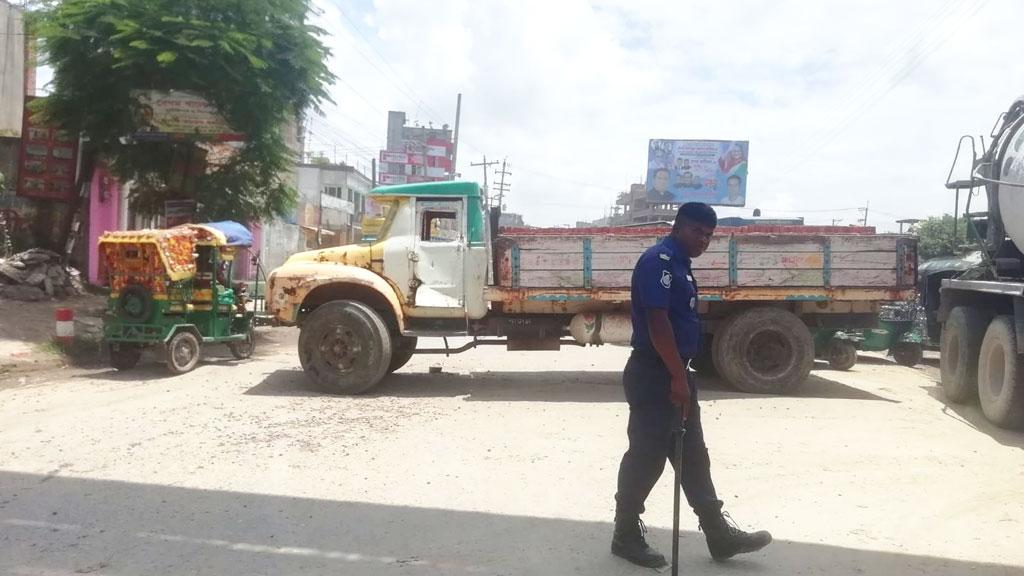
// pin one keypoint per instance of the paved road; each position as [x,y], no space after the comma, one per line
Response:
[503,464]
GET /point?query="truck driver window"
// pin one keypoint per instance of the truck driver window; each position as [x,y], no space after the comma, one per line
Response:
[440,226]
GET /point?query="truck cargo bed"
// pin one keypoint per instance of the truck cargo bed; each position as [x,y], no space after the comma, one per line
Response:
[782,265]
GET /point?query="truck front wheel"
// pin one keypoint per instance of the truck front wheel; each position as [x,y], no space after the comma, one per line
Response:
[1001,375]
[405,347]
[345,347]
[766,351]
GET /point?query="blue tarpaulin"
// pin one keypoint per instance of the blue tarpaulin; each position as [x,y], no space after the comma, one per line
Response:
[235,233]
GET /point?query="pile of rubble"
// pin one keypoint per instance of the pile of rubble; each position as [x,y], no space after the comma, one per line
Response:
[37,274]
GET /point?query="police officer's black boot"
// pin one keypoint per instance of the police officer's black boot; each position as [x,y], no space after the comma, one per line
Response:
[726,540]
[628,542]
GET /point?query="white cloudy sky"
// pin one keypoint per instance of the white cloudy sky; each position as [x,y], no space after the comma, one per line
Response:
[843,101]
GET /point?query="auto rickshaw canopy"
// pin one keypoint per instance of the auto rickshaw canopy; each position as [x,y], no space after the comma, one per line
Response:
[172,249]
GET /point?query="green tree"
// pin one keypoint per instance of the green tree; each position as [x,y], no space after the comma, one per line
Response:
[935,237]
[258,61]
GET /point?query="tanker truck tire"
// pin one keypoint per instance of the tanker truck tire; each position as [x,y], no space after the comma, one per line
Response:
[766,351]
[958,360]
[345,347]
[1001,375]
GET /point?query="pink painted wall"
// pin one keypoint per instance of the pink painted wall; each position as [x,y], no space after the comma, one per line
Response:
[104,213]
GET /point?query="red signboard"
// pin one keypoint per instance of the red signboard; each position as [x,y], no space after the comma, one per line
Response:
[48,163]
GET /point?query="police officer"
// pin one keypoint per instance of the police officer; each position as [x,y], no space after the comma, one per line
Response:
[660,389]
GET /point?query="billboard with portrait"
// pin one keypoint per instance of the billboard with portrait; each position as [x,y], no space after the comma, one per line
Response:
[709,171]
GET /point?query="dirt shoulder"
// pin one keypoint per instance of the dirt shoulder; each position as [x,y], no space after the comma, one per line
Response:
[27,331]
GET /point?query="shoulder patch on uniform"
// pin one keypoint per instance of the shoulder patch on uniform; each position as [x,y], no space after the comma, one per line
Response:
[664,257]
[666,278]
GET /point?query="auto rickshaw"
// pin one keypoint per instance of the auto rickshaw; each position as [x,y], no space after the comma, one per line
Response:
[172,289]
[900,330]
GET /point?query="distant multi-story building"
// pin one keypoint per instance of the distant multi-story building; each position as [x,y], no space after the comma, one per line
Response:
[332,201]
[415,153]
[511,220]
[633,208]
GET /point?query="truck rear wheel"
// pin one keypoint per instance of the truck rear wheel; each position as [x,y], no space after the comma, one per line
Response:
[1001,375]
[718,352]
[404,348]
[959,346]
[345,347]
[766,351]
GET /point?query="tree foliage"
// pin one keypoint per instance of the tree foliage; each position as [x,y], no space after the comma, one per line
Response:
[935,237]
[258,61]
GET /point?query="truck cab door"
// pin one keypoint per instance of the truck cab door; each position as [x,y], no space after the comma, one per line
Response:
[439,254]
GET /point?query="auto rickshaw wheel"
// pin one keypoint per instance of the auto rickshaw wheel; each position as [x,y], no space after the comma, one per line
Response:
[842,354]
[124,356]
[243,349]
[135,303]
[908,354]
[183,352]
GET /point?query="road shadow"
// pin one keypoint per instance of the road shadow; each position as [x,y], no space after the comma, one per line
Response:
[61,525]
[152,366]
[971,416]
[546,386]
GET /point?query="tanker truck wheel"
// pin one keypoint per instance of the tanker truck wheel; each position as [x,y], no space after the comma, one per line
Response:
[345,347]
[958,359]
[766,351]
[1001,375]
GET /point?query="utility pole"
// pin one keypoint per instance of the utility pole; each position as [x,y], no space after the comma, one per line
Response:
[864,220]
[835,220]
[485,164]
[501,186]
[455,142]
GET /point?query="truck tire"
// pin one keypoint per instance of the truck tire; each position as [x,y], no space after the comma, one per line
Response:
[345,347]
[718,353]
[841,354]
[1001,375]
[404,348]
[907,354]
[958,360]
[766,351]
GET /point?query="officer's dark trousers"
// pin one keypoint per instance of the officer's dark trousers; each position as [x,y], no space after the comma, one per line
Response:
[651,441]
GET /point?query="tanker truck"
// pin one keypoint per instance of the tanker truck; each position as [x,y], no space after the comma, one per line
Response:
[440,267]
[981,310]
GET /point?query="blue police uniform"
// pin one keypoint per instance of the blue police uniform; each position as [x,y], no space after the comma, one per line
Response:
[663,279]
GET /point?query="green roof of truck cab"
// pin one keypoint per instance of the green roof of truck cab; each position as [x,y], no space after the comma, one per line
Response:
[446,188]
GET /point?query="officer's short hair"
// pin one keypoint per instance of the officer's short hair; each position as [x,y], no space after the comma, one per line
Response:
[696,212]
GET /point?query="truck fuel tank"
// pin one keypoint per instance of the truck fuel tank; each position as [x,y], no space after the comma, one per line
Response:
[593,328]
